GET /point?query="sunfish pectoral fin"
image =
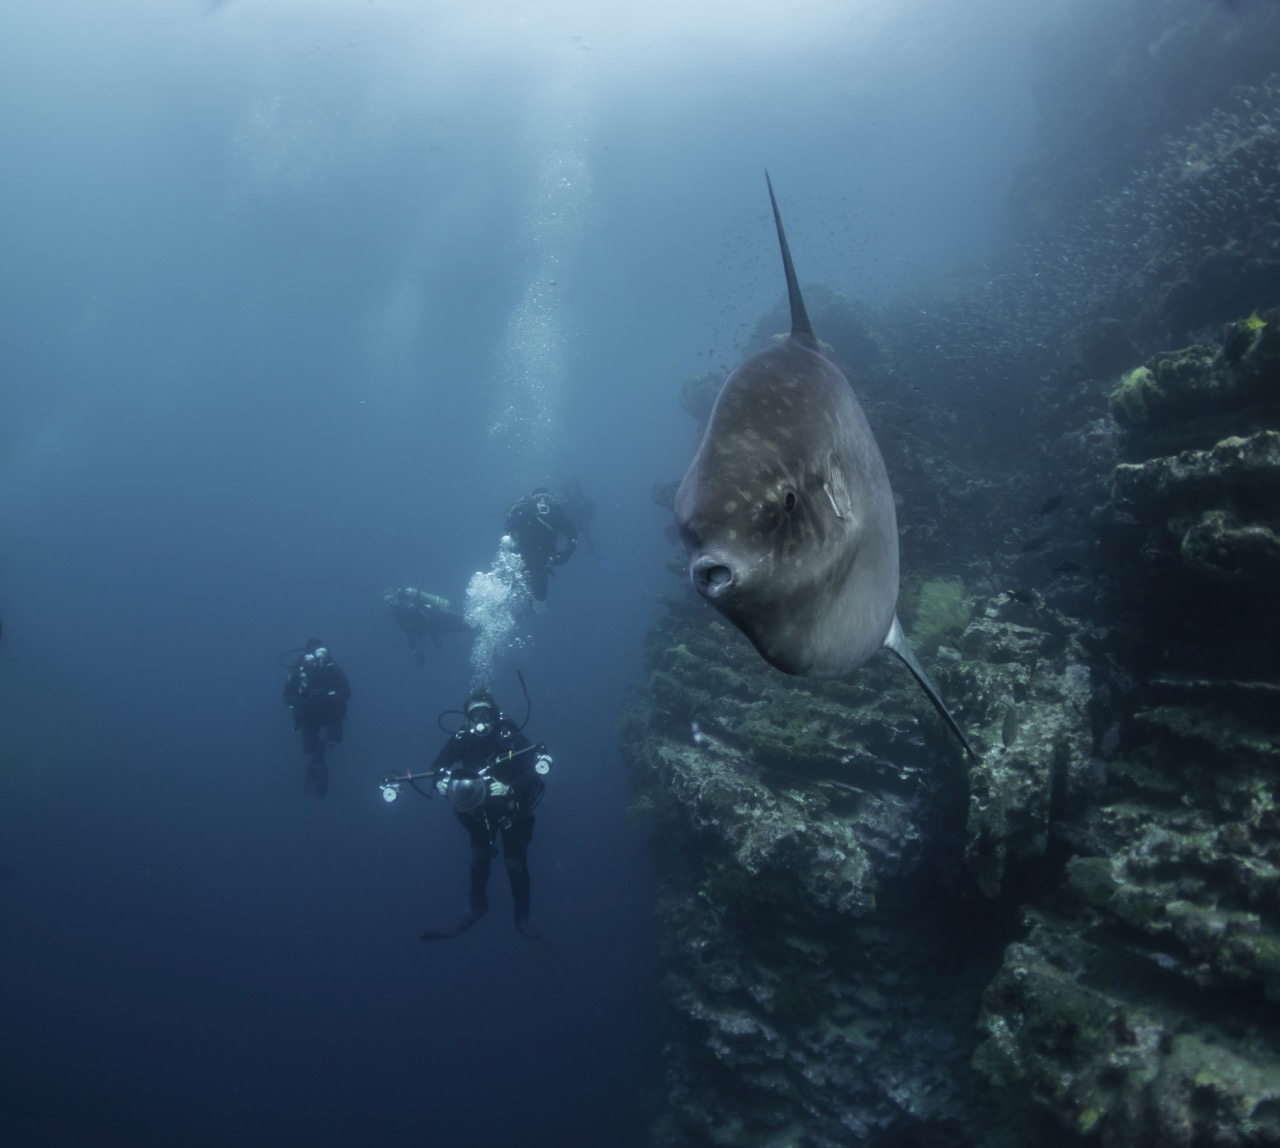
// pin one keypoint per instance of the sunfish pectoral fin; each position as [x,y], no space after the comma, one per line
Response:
[837,489]
[897,642]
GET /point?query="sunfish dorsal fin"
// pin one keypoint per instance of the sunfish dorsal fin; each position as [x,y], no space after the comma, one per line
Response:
[801,328]
[897,642]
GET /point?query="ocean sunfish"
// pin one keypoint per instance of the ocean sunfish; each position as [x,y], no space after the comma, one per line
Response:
[787,515]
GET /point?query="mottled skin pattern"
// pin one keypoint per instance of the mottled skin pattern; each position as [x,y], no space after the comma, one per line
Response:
[787,515]
[812,580]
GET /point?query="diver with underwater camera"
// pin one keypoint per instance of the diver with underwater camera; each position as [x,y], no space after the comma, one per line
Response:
[492,775]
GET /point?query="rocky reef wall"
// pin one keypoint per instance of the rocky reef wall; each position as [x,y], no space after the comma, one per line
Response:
[1076,941]
[1141,1008]
[820,856]
[867,939]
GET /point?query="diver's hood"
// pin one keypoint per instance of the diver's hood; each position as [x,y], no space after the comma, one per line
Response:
[467,792]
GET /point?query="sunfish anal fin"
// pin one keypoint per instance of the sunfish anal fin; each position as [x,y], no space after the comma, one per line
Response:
[897,642]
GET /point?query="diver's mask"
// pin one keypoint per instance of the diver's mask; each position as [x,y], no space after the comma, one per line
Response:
[544,506]
[479,720]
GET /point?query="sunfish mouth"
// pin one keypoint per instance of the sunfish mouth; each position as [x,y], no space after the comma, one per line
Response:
[711,577]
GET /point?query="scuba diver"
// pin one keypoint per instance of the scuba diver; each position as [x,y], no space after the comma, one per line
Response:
[422,615]
[493,778]
[579,510]
[543,535]
[316,692]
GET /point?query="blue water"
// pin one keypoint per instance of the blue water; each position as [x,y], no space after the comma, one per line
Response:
[297,298]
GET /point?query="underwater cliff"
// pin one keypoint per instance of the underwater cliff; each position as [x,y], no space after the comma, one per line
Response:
[866,939]
[1078,936]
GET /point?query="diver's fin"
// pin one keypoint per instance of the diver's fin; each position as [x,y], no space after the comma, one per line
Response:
[545,951]
[897,642]
[528,930]
[469,918]
[542,948]
[316,780]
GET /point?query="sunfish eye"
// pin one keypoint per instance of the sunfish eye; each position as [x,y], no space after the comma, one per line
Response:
[789,501]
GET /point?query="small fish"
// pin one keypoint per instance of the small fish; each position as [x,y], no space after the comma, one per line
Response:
[1066,566]
[1050,504]
[1026,597]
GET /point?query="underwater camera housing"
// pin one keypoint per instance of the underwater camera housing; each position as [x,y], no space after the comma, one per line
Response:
[467,790]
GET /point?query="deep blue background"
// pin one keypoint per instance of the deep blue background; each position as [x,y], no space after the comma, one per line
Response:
[272,273]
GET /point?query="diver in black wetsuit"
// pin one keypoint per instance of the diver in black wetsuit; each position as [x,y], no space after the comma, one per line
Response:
[422,615]
[493,777]
[316,692]
[543,536]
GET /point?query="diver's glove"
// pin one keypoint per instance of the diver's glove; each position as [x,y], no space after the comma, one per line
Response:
[442,786]
[542,766]
[498,788]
